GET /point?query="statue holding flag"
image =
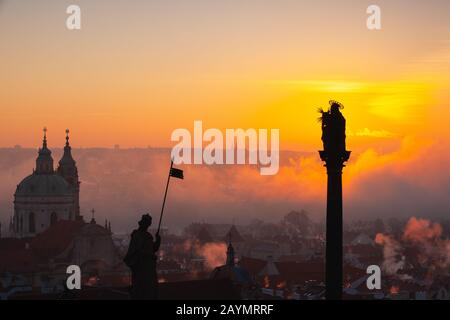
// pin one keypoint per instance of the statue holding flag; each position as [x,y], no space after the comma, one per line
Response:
[141,256]
[141,259]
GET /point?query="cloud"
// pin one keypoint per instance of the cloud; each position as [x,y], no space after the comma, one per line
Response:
[366,132]
[393,260]
[418,230]
[334,86]
[213,253]
[400,101]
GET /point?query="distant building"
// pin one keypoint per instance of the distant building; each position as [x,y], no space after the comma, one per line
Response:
[239,276]
[47,196]
[40,262]
[230,270]
[47,233]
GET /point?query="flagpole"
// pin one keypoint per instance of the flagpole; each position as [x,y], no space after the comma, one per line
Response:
[165,195]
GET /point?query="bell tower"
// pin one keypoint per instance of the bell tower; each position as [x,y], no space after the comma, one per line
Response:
[44,161]
[68,170]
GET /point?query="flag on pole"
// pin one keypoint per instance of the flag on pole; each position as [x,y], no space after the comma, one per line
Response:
[176,173]
[173,172]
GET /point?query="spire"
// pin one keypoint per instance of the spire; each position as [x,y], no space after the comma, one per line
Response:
[44,142]
[67,165]
[67,168]
[67,159]
[67,138]
[93,216]
[230,253]
[44,161]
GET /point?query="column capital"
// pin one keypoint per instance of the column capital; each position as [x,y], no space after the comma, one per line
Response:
[334,157]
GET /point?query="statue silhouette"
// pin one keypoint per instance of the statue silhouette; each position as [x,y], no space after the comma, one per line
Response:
[333,129]
[141,259]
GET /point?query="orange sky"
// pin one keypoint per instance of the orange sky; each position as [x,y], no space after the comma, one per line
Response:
[138,70]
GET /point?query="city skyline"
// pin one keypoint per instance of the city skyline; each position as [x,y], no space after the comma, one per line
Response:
[224,150]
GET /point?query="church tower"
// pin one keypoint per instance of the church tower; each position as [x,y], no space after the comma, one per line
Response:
[44,161]
[230,255]
[45,196]
[68,170]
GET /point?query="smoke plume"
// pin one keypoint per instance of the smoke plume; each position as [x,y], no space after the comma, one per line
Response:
[421,247]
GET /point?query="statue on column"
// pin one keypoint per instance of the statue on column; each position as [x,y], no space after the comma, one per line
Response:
[334,154]
[141,259]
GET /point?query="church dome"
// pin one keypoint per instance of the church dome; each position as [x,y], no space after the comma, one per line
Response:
[93,229]
[45,185]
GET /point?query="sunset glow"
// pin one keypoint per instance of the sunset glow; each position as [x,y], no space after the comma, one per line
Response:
[110,82]
[132,77]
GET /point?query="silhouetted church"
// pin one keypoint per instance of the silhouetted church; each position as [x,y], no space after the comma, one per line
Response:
[46,196]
